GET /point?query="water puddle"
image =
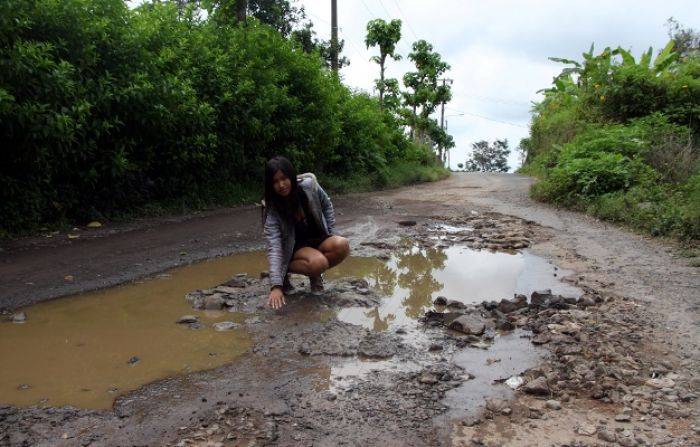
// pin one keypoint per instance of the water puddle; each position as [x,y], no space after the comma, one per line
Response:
[414,277]
[88,349]
[77,350]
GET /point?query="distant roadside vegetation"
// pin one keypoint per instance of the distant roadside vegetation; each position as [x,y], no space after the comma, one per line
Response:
[107,111]
[618,137]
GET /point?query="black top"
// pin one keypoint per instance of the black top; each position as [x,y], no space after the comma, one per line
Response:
[306,228]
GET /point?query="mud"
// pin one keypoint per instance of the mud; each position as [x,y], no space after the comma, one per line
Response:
[613,372]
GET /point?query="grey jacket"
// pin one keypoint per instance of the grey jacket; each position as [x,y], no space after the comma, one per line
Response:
[279,233]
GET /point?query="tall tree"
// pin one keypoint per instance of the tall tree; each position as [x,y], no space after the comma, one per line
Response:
[425,91]
[282,15]
[309,43]
[686,40]
[386,36]
[489,157]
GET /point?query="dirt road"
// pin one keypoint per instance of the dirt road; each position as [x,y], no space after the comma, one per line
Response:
[646,320]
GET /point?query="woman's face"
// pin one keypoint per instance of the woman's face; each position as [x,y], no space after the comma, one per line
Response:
[281,184]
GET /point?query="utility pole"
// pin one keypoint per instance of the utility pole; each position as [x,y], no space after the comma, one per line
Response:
[448,150]
[442,117]
[334,36]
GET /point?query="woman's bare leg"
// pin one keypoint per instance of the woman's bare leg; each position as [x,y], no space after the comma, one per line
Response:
[308,261]
[335,249]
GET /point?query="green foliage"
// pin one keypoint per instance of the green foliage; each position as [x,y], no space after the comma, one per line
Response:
[488,157]
[385,36]
[617,137]
[104,109]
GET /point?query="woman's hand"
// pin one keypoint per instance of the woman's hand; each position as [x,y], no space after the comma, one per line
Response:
[276,299]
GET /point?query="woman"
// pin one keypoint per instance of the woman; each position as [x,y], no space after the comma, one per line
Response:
[299,228]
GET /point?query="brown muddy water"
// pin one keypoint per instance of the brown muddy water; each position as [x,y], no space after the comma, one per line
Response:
[77,350]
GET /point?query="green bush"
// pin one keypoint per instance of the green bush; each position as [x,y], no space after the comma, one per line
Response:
[105,109]
[579,179]
[618,138]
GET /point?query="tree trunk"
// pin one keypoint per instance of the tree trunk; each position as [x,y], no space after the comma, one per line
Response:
[241,7]
[381,81]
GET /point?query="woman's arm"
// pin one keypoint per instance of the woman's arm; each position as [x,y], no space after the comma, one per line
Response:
[327,209]
[273,240]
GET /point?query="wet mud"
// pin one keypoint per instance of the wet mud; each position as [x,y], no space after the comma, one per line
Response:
[428,335]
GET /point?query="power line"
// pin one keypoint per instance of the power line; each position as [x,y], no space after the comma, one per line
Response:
[385,10]
[405,19]
[489,118]
[498,100]
[352,43]
[319,18]
[371,14]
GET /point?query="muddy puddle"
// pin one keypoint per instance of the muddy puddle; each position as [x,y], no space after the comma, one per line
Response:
[88,349]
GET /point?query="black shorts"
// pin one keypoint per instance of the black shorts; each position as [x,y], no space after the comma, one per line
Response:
[313,242]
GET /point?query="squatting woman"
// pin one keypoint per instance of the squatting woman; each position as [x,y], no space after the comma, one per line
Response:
[299,229]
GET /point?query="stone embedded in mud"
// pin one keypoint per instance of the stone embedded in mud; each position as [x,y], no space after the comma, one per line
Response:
[407,223]
[496,405]
[227,290]
[661,383]
[553,404]
[454,304]
[469,324]
[508,306]
[514,382]
[239,281]
[440,301]
[586,301]
[187,319]
[377,345]
[585,429]
[359,283]
[540,298]
[537,387]
[214,302]
[19,317]
[427,378]
[225,326]
[606,435]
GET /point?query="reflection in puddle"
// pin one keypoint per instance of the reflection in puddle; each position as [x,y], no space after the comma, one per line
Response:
[413,277]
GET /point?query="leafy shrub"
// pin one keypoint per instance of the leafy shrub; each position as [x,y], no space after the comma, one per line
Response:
[104,109]
[618,138]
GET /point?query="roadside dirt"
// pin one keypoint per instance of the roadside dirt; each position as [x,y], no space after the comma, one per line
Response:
[619,367]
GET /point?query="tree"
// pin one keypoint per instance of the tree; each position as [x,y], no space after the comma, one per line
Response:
[686,40]
[386,36]
[279,14]
[489,157]
[426,93]
[308,42]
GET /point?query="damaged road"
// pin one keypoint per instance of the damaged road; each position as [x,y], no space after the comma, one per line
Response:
[394,356]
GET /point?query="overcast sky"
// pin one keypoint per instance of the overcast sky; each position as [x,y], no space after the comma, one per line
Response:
[497,49]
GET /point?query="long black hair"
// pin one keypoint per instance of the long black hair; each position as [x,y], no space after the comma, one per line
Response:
[285,206]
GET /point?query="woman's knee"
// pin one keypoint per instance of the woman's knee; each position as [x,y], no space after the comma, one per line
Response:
[318,264]
[340,245]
